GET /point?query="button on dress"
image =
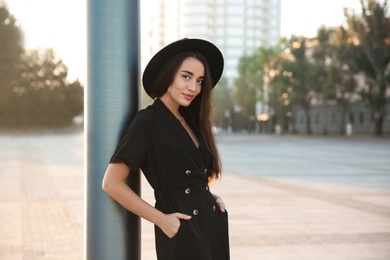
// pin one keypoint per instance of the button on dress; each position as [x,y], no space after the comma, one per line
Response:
[178,171]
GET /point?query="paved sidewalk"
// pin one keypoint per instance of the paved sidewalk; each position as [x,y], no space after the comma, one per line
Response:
[289,198]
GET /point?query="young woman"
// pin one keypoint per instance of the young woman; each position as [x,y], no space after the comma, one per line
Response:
[172,142]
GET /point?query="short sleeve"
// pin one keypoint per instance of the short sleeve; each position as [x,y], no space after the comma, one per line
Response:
[135,141]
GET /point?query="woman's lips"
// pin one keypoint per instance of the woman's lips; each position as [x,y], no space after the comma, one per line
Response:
[188,97]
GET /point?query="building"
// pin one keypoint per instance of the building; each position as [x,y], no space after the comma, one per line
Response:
[329,119]
[235,26]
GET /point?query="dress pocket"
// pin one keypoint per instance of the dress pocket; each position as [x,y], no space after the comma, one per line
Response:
[179,230]
[224,214]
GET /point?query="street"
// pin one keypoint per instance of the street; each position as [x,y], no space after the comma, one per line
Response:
[288,197]
[356,161]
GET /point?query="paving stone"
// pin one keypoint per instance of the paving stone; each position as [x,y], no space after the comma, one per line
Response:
[288,197]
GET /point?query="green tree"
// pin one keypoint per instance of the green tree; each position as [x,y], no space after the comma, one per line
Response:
[223,104]
[46,96]
[370,33]
[41,94]
[34,87]
[279,91]
[300,74]
[249,86]
[341,72]
[332,55]
[10,51]
[244,94]
[322,57]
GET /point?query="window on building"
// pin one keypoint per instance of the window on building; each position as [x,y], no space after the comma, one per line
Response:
[372,117]
[333,118]
[351,118]
[220,21]
[235,9]
[235,20]
[361,117]
[236,42]
[316,118]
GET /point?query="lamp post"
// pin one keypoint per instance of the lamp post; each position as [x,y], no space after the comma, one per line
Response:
[111,99]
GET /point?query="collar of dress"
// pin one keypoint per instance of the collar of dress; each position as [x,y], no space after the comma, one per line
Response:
[180,131]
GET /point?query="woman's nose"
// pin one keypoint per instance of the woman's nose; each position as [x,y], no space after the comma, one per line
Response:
[191,85]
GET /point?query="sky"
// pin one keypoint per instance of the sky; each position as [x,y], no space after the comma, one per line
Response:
[61,24]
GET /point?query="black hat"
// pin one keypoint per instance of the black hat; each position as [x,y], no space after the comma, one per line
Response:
[212,54]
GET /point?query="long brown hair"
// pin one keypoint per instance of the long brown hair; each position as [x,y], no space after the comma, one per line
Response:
[200,110]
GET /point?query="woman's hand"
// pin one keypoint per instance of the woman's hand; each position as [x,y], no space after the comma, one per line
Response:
[220,203]
[170,223]
[114,184]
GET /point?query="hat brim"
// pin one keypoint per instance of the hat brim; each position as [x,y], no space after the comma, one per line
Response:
[212,54]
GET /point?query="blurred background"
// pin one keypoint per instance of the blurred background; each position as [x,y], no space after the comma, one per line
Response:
[297,66]
[302,121]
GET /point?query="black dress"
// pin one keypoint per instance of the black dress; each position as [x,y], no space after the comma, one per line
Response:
[178,171]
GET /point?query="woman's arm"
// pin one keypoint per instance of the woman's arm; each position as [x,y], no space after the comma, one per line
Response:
[114,184]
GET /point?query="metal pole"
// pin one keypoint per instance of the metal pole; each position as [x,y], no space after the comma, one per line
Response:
[112,98]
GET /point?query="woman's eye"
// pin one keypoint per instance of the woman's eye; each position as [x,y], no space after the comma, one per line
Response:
[200,81]
[186,76]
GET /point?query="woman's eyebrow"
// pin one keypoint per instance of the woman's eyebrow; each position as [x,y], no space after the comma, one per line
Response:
[191,73]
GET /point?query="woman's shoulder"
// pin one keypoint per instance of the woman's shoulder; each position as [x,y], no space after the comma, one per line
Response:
[146,116]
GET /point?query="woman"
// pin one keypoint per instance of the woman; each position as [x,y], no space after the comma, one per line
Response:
[172,142]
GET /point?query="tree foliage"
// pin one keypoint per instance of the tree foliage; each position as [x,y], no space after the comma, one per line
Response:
[10,51]
[369,32]
[34,87]
[223,104]
[334,55]
[324,69]
[249,87]
[300,74]
[279,91]
[244,95]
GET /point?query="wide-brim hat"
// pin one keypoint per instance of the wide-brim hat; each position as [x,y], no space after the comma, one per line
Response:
[212,54]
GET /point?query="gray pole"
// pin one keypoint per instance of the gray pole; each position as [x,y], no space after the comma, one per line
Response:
[112,98]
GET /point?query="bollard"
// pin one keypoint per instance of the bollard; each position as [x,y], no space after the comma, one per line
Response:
[348,129]
[111,99]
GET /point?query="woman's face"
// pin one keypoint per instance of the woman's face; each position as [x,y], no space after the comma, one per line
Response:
[186,85]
